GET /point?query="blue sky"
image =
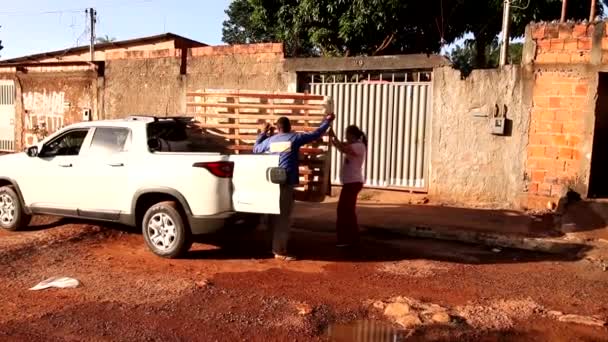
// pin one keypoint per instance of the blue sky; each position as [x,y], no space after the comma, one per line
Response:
[26,29]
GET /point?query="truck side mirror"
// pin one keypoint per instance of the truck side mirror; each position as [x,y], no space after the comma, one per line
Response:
[32,151]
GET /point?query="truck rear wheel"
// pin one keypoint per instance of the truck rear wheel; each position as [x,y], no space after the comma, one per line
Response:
[165,230]
[12,215]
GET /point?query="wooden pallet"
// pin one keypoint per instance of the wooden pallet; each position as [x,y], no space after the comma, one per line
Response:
[235,116]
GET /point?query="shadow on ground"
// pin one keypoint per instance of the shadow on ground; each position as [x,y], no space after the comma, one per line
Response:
[588,217]
[318,243]
[401,215]
[376,247]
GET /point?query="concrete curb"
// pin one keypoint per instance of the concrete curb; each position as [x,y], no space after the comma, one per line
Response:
[545,245]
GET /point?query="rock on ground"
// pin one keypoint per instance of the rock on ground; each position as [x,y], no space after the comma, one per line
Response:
[396,309]
[409,321]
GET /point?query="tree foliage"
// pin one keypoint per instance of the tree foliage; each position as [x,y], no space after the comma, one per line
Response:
[463,57]
[483,18]
[378,27]
[337,27]
[105,39]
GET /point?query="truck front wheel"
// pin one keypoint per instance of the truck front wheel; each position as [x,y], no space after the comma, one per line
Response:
[12,215]
[165,230]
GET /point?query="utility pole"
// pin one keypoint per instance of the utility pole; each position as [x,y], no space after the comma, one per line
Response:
[506,18]
[592,12]
[93,17]
[564,5]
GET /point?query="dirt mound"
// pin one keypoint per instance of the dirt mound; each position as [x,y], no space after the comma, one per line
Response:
[413,268]
[485,317]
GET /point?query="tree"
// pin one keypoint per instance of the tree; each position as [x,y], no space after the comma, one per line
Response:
[336,27]
[483,18]
[377,27]
[105,39]
[240,28]
[262,21]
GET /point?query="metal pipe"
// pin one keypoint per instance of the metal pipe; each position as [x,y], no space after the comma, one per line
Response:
[564,5]
[506,18]
[592,12]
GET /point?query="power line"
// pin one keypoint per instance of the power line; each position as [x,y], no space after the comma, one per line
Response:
[107,4]
[36,13]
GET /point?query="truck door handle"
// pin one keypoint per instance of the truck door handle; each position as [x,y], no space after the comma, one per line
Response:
[116,164]
[66,165]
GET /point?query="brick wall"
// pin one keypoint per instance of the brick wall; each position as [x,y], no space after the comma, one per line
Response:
[261,50]
[562,115]
[562,43]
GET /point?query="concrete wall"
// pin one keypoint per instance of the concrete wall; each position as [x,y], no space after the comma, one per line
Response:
[50,97]
[143,86]
[153,83]
[469,165]
[55,100]
[255,67]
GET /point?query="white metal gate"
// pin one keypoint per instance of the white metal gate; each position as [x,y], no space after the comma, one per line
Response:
[7,115]
[395,116]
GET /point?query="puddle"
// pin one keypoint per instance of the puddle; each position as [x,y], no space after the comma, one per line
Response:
[365,331]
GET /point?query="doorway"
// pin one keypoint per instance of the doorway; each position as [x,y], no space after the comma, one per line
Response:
[598,180]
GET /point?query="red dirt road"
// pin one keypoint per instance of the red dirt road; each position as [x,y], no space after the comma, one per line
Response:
[236,292]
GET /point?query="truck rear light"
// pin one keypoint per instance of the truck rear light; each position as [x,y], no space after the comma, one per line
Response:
[218,169]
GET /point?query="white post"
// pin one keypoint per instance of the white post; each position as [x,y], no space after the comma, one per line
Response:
[506,18]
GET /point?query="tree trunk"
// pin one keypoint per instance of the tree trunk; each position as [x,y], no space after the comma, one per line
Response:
[481,44]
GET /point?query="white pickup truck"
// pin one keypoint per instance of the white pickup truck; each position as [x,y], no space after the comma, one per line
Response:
[139,171]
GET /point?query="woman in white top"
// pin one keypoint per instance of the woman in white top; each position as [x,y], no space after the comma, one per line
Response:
[354,150]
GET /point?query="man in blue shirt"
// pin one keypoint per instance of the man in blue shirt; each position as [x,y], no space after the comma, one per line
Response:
[287,144]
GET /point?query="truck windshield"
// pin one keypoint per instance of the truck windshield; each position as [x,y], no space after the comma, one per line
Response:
[180,136]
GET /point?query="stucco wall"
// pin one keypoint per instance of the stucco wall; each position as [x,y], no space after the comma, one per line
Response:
[50,97]
[253,67]
[469,165]
[143,86]
[52,101]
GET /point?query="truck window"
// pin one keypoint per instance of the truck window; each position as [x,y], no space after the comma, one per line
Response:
[68,144]
[180,136]
[108,140]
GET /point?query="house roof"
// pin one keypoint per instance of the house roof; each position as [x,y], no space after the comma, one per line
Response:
[180,42]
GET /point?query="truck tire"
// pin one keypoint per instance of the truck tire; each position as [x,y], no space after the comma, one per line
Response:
[12,215]
[165,231]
